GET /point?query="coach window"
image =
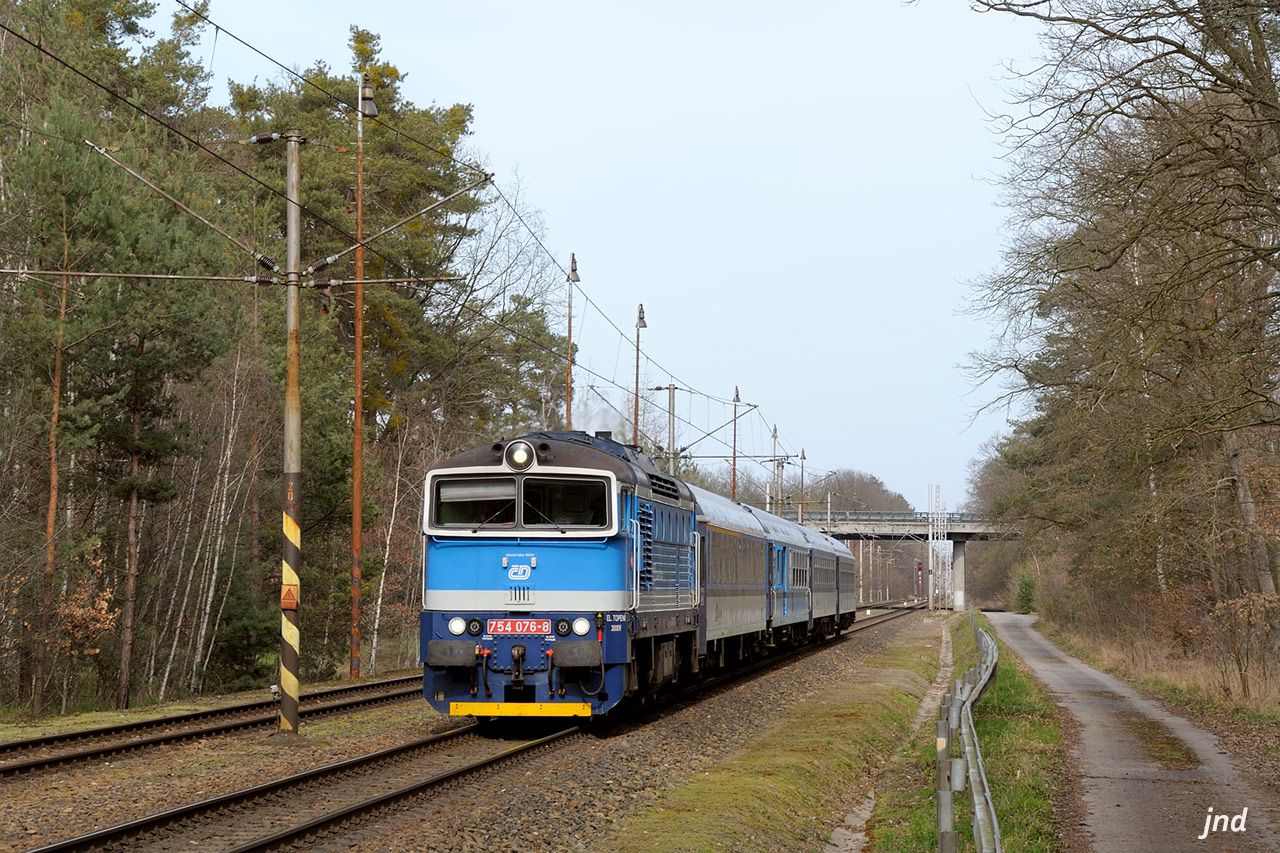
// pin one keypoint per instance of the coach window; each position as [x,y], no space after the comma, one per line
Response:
[565,503]
[490,502]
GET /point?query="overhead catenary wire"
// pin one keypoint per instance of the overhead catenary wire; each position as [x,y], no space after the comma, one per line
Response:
[434,150]
[323,220]
[194,142]
[534,236]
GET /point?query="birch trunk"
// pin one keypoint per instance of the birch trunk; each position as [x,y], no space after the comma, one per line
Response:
[386,555]
[231,424]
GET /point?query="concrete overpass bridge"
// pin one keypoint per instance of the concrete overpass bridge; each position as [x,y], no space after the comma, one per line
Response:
[958,528]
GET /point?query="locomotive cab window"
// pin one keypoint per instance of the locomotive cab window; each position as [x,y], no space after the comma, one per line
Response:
[564,503]
[479,502]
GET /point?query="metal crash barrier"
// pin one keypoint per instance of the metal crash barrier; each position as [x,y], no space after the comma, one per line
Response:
[955,726]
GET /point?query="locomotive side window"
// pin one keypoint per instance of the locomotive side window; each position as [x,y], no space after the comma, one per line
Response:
[479,502]
[565,503]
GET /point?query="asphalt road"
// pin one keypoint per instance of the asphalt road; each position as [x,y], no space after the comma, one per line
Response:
[1148,777]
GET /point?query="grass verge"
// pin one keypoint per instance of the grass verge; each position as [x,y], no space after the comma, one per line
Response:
[786,789]
[1022,747]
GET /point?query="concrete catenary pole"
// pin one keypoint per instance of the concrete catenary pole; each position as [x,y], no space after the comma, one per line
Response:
[775,488]
[570,280]
[733,482]
[672,455]
[635,426]
[929,547]
[800,503]
[364,100]
[291,564]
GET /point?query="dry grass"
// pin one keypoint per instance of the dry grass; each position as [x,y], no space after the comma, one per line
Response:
[1150,662]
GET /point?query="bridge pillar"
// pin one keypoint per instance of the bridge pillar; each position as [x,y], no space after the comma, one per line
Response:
[957,573]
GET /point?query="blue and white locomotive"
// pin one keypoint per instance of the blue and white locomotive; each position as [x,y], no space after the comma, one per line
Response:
[565,573]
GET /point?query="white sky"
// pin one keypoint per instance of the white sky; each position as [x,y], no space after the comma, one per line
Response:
[798,196]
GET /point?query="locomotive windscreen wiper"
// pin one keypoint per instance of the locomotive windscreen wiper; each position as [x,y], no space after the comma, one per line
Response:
[501,510]
[543,516]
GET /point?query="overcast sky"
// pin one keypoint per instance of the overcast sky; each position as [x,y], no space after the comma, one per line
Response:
[798,196]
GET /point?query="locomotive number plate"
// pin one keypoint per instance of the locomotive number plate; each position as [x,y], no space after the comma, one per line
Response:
[519,626]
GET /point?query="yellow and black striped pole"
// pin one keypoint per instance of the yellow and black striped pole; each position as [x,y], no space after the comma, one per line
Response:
[290,685]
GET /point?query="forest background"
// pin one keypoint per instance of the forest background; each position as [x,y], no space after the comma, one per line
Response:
[1138,301]
[141,436]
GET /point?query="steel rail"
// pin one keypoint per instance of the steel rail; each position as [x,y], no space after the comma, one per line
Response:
[296,833]
[121,832]
[263,713]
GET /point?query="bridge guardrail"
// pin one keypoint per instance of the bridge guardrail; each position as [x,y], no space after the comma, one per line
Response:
[955,725]
[820,515]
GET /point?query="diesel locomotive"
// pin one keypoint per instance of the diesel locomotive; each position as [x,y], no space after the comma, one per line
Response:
[566,573]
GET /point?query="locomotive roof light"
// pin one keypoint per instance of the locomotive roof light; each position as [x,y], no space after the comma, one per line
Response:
[519,455]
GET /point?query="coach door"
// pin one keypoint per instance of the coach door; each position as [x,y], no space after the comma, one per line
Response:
[769,569]
[780,576]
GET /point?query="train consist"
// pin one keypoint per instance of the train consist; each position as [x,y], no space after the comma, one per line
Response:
[565,573]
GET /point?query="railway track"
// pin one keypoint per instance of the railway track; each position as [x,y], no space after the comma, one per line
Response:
[42,753]
[302,807]
[293,808]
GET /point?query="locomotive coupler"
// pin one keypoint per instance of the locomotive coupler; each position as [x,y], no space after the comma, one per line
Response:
[517,666]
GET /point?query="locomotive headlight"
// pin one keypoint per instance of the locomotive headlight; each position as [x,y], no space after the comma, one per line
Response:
[519,455]
[581,626]
[562,627]
[474,627]
[457,625]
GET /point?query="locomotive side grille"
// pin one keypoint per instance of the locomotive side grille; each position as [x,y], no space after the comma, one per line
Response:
[644,514]
[663,487]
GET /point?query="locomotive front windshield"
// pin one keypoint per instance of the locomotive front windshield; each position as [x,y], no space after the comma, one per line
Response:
[546,503]
[469,503]
[564,503]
